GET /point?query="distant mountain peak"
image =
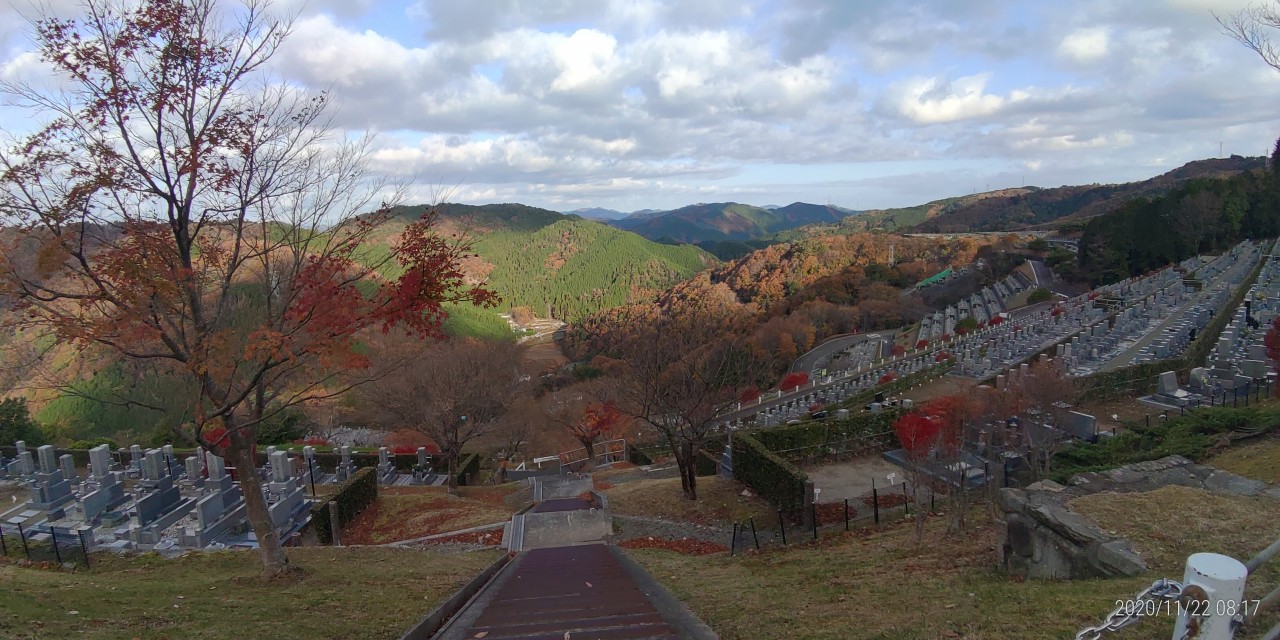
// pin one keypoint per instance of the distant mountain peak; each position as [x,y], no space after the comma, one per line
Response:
[719,221]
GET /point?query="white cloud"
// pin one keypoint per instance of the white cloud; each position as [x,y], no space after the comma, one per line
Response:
[1085,45]
[936,100]
[637,103]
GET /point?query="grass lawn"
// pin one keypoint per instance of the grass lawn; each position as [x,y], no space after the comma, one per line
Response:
[1258,460]
[344,593]
[719,501]
[882,585]
[403,513]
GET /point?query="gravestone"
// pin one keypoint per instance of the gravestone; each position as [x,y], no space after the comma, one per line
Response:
[346,468]
[135,460]
[104,489]
[193,474]
[68,467]
[1255,369]
[220,510]
[1081,425]
[158,502]
[52,489]
[281,467]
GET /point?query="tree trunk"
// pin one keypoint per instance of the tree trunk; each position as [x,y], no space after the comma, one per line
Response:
[453,473]
[688,471]
[274,560]
[589,445]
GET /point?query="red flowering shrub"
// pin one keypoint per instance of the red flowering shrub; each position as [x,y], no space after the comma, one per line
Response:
[793,380]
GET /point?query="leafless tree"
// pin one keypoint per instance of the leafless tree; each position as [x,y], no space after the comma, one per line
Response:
[1253,27]
[1042,396]
[675,374]
[453,393]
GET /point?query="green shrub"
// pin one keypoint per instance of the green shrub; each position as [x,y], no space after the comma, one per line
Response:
[773,478]
[797,441]
[89,444]
[1039,295]
[353,495]
[1190,436]
[16,423]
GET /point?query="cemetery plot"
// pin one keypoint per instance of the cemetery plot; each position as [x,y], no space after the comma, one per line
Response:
[1134,321]
[150,500]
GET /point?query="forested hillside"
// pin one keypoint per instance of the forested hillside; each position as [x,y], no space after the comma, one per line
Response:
[559,265]
[1200,216]
[574,267]
[793,295]
[1019,208]
[720,221]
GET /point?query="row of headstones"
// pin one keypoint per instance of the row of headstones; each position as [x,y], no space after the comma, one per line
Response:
[982,306]
[1240,355]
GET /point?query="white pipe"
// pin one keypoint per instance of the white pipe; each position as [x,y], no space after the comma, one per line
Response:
[1222,578]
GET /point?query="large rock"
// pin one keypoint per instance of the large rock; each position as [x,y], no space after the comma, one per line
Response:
[1233,485]
[1118,558]
[1046,539]
[1068,524]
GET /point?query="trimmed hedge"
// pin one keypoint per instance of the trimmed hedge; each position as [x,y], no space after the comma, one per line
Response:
[773,478]
[468,467]
[706,463]
[785,440]
[353,495]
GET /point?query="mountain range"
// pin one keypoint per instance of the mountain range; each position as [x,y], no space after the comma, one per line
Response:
[720,221]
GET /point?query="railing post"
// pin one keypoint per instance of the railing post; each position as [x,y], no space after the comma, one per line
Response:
[84,549]
[23,536]
[782,527]
[53,536]
[1221,581]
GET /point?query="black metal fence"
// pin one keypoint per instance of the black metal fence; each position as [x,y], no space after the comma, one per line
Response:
[52,544]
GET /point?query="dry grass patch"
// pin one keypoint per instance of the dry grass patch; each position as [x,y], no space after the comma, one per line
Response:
[871,584]
[880,584]
[719,501]
[404,513]
[354,593]
[1258,460]
[1172,522]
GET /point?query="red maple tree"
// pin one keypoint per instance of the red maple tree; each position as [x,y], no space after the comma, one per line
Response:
[793,380]
[1272,342]
[206,230]
[599,421]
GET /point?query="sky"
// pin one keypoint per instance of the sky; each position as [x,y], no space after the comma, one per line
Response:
[636,104]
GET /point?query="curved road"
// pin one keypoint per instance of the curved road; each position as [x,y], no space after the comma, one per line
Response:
[809,362]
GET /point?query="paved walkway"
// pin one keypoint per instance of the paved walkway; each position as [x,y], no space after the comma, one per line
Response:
[590,591]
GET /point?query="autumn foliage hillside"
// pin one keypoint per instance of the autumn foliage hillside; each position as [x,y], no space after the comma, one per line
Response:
[797,294]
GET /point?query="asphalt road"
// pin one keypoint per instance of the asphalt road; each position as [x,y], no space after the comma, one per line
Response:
[825,351]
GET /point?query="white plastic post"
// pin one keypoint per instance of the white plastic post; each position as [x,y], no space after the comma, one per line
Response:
[1222,577]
